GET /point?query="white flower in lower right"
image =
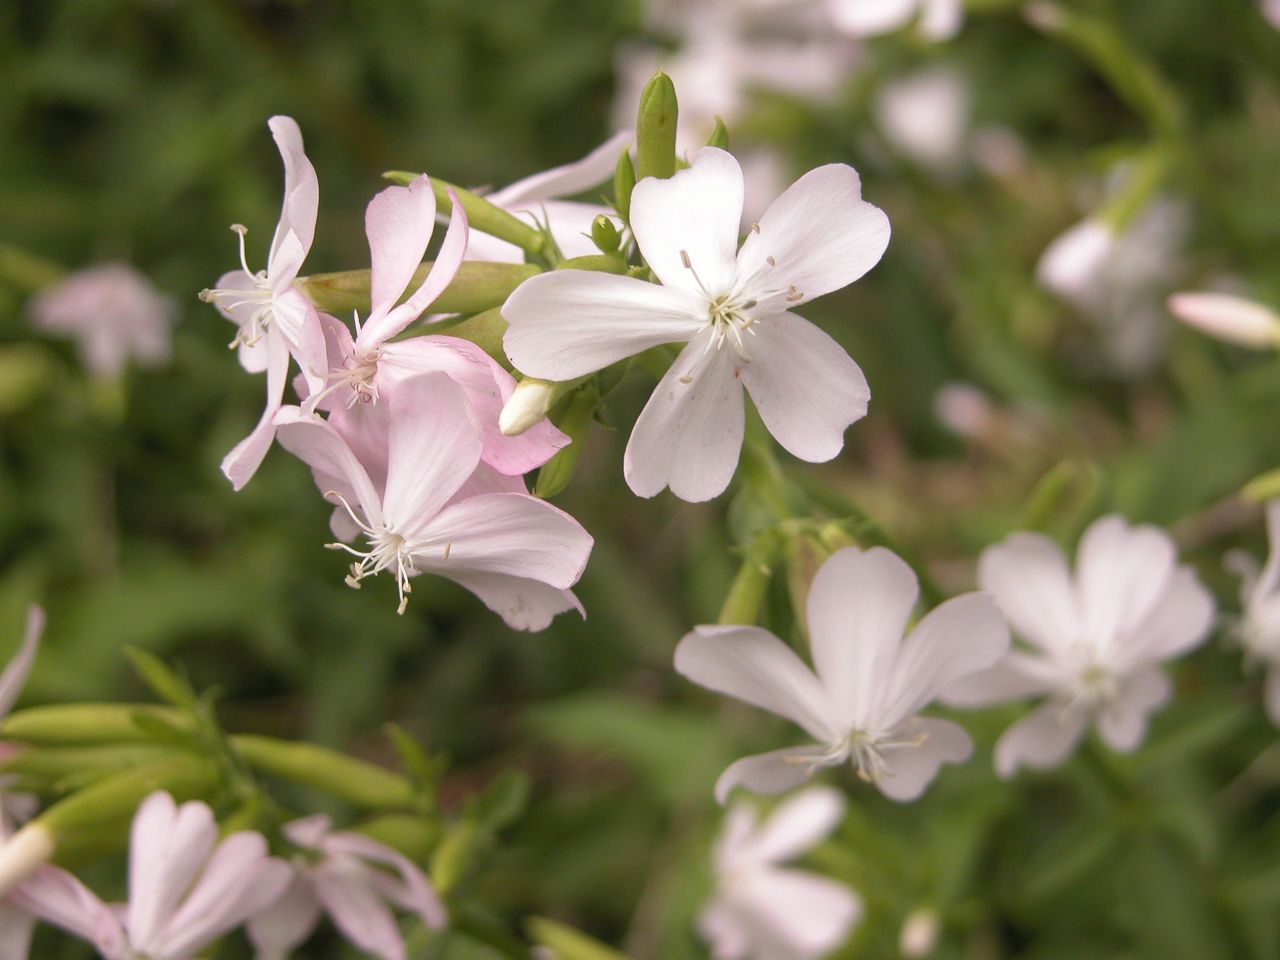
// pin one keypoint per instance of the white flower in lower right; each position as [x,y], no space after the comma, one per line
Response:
[1094,641]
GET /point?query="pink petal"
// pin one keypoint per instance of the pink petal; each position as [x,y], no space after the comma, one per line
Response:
[792,913]
[569,323]
[689,435]
[858,607]
[18,669]
[16,927]
[756,667]
[277,931]
[691,216]
[399,222]
[358,911]
[413,891]
[798,824]
[1122,572]
[522,603]
[301,190]
[912,768]
[57,897]
[807,389]
[167,847]
[1028,576]
[1042,739]
[769,773]
[319,446]
[1181,621]
[821,235]
[567,180]
[1123,722]
[245,457]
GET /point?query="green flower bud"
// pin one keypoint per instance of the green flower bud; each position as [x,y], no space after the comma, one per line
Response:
[355,781]
[605,235]
[656,129]
[556,473]
[477,286]
[624,181]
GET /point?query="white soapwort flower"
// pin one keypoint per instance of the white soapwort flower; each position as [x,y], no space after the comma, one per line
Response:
[862,703]
[1259,626]
[926,116]
[1227,317]
[935,19]
[1094,641]
[732,308]
[764,910]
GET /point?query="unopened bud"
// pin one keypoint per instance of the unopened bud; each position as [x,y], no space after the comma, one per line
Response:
[605,235]
[1072,265]
[23,853]
[527,406]
[656,129]
[1229,318]
[919,934]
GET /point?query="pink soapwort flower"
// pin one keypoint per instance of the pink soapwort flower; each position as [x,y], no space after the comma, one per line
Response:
[1093,641]
[863,702]
[541,198]
[355,880]
[112,312]
[936,19]
[519,555]
[273,319]
[732,308]
[764,910]
[362,369]
[186,889]
[1259,625]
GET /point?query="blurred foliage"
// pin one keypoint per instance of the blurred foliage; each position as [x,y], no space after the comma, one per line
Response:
[136,130]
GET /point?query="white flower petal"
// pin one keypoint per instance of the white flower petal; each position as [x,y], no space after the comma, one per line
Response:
[798,824]
[820,234]
[18,669]
[1123,722]
[411,889]
[245,457]
[941,19]
[962,636]
[1073,263]
[16,927]
[167,846]
[301,198]
[793,913]
[866,18]
[910,769]
[522,603]
[1121,573]
[769,773]
[1028,576]
[57,897]
[807,389]
[1042,739]
[691,216]
[399,222]
[689,435]
[1269,579]
[358,911]
[755,666]
[858,607]
[569,323]
[565,181]
[319,446]
[1017,676]
[1181,621]
[277,931]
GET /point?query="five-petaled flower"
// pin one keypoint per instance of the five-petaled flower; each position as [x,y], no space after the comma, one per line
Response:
[732,307]
[862,704]
[1259,625]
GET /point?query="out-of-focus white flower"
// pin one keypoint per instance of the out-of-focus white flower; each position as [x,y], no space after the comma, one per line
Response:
[112,312]
[1259,627]
[863,702]
[919,936]
[926,117]
[963,409]
[1094,641]
[1073,265]
[762,910]
[999,152]
[1271,11]
[1227,317]
[936,19]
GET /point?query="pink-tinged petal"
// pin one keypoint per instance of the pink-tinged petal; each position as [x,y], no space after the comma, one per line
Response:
[807,389]
[301,190]
[385,325]
[399,222]
[722,925]
[16,927]
[1016,677]
[357,909]
[798,824]
[523,604]
[911,768]
[481,246]
[769,773]
[691,217]
[167,846]
[819,236]
[413,891]
[288,258]
[1042,739]
[1271,695]
[298,322]
[238,880]
[512,534]
[285,925]
[866,18]
[309,832]
[57,897]
[1122,723]
[1233,319]
[1121,572]
[565,181]
[1181,621]
[962,636]
[320,447]
[941,19]
[18,669]
[756,667]
[689,435]
[858,607]
[569,323]
[795,914]
[432,448]
[245,457]
[1028,576]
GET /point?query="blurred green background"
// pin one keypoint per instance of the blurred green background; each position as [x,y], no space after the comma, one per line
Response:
[137,131]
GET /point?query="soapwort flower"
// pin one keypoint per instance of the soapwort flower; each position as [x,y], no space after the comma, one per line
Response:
[273,319]
[355,880]
[764,910]
[863,702]
[1259,625]
[186,889]
[732,308]
[938,19]
[361,369]
[519,555]
[1094,641]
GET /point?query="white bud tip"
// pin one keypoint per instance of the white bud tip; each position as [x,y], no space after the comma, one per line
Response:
[1229,318]
[23,853]
[919,935]
[1073,263]
[526,408]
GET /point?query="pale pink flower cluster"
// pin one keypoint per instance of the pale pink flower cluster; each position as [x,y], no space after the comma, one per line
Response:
[401,435]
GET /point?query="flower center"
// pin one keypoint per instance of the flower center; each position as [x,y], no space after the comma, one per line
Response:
[1094,688]
[230,299]
[358,374]
[864,749]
